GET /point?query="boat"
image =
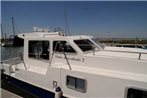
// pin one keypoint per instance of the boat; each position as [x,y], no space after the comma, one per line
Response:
[6,44]
[54,65]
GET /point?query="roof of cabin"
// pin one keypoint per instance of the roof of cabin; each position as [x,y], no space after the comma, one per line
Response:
[50,35]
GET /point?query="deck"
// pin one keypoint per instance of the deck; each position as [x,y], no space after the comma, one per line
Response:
[7,94]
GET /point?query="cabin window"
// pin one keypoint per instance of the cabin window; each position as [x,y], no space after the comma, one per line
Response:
[77,84]
[86,45]
[135,93]
[39,49]
[62,46]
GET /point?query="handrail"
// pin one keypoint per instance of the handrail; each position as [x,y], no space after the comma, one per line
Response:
[23,60]
[67,60]
[140,53]
[139,56]
[53,53]
[125,51]
[38,54]
[49,34]
[64,56]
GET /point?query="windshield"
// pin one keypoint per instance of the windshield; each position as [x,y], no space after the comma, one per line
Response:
[96,40]
[86,45]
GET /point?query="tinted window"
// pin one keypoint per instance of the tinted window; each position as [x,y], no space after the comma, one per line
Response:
[76,83]
[129,46]
[80,84]
[39,49]
[85,45]
[135,93]
[62,46]
[71,82]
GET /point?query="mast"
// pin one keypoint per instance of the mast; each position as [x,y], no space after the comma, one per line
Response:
[2,32]
[5,36]
[66,22]
[13,26]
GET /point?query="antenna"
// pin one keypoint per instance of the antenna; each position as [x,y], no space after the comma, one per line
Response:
[66,22]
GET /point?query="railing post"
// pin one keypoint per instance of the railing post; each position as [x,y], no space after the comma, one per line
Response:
[139,56]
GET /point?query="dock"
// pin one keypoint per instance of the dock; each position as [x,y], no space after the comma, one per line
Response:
[7,94]
[8,90]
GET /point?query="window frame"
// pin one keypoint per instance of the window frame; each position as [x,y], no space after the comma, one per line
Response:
[126,93]
[40,59]
[68,53]
[89,51]
[75,86]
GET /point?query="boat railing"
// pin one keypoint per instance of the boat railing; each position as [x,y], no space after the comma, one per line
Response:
[12,61]
[56,33]
[44,35]
[16,60]
[139,53]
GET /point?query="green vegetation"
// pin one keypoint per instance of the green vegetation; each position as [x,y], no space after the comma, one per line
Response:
[125,41]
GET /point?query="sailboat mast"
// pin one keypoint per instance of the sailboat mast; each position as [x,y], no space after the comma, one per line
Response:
[66,22]
[13,26]
[2,32]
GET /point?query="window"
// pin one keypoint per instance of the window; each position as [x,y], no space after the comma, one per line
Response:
[86,45]
[97,41]
[62,46]
[76,84]
[39,49]
[135,93]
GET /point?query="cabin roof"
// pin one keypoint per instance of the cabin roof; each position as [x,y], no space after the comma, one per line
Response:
[56,35]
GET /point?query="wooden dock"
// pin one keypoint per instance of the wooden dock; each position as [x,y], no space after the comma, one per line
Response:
[7,94]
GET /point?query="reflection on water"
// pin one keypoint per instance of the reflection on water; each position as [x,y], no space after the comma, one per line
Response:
[9,52]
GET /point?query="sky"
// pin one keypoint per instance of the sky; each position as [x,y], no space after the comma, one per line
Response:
[103,19]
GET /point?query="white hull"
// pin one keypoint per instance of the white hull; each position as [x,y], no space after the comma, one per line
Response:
[101,82]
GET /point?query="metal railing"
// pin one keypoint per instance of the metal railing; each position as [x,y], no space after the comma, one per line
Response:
[139,56]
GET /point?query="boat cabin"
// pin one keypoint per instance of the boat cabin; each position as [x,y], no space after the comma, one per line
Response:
[46,47]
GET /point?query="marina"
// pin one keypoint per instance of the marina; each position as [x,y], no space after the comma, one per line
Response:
[77,49]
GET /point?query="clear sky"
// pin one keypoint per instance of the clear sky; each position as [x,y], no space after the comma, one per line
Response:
[101,19]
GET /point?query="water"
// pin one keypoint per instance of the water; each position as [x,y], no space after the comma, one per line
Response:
[9,52]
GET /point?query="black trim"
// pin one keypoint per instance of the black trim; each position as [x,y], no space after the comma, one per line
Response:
[136,93]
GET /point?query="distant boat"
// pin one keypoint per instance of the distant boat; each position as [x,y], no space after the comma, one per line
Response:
[6,44]
[54,65]
[145,46]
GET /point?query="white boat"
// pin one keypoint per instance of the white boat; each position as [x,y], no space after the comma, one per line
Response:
[77,67]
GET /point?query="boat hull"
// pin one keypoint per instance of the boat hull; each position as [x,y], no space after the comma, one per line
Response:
[30,89]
